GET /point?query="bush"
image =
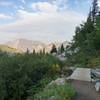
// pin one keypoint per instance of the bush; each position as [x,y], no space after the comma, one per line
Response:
[22,75]
[94,62]
[56,92]
[66,71]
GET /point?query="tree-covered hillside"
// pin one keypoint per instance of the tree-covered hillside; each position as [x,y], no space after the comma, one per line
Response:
[85,48]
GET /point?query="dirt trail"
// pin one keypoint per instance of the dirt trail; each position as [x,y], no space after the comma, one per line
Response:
[85,90]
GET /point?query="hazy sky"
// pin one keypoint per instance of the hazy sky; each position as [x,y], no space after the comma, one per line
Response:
[43,20]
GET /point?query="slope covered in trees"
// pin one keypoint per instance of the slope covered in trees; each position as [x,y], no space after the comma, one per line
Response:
[85,49]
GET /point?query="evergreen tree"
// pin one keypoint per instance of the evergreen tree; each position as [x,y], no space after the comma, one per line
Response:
[94,10]
[86,32]
[87,37]
[44,51]
[27,52]
[41,52]
[33,51]
[54,49]
[62,48]
[96,40]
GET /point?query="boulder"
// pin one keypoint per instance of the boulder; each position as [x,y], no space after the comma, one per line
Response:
[58,81]
[97,86]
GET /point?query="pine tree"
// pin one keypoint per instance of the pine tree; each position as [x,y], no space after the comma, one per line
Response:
[33,51]
[44,51]
[54,49]
[86,32]
[27,52]
[41,52]
[62,48]
[96,40]
[85,36]
[94,10]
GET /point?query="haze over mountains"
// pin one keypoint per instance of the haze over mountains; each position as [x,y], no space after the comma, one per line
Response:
[24,44]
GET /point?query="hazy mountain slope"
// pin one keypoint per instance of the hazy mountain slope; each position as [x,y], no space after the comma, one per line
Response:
[23,44]
[8,49]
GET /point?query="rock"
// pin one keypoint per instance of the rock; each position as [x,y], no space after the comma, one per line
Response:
[97,86]
[51,98]
[59,81]
[52,82]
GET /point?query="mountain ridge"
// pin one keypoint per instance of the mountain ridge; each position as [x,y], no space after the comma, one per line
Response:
[24,44]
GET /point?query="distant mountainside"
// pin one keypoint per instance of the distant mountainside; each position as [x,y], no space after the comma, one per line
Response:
[24,44]
[8,49]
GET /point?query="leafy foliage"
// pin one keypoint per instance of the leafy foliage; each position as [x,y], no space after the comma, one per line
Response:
[56,92]
[23,75]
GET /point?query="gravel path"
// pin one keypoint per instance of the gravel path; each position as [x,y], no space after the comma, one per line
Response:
[85,90]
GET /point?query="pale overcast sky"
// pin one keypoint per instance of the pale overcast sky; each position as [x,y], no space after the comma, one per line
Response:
[42,20]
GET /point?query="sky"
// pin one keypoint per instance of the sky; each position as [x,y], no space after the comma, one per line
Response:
[41,20]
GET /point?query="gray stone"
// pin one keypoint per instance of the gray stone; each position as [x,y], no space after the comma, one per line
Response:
[97,86]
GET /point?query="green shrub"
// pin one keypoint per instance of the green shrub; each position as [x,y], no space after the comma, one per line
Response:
[22,75]
[94,62]
[56,92]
